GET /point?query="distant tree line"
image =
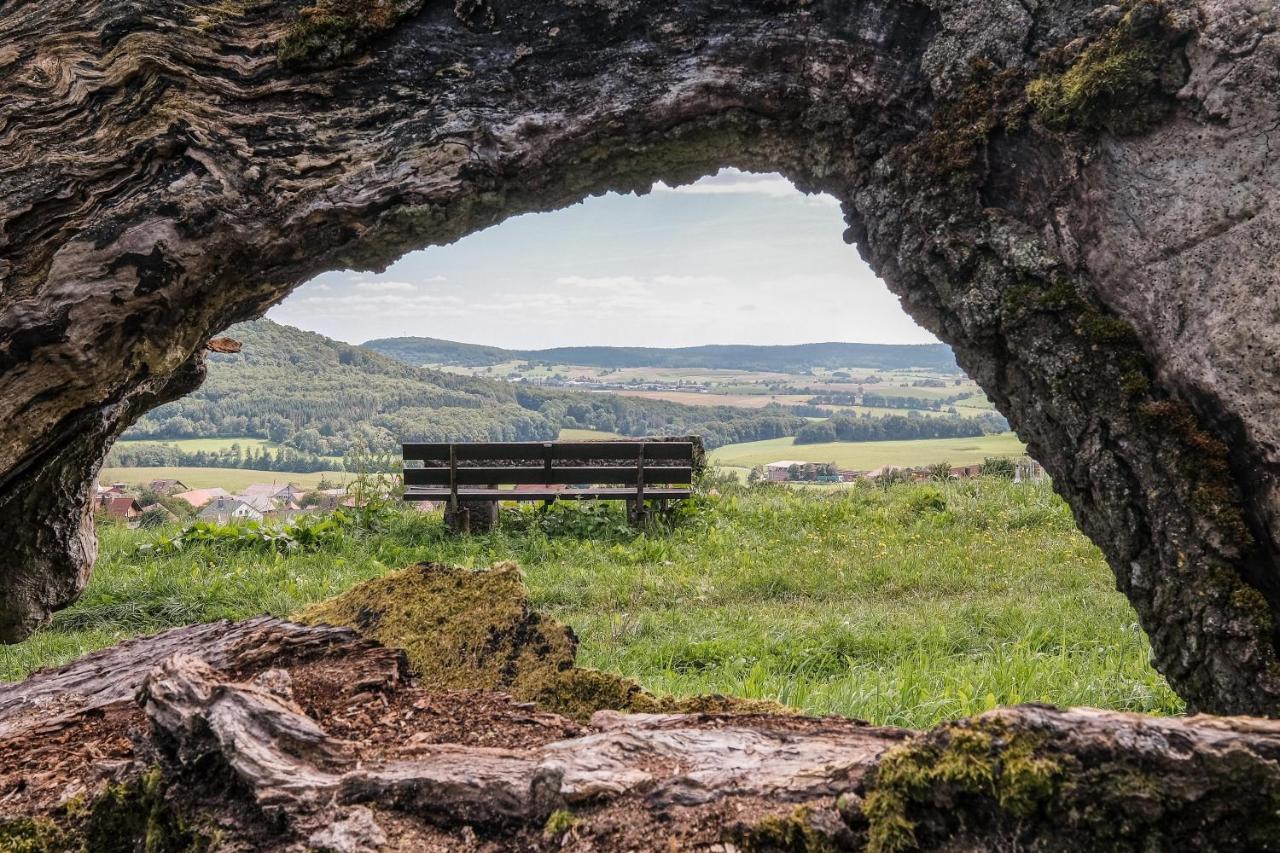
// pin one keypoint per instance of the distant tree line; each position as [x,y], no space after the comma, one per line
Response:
[887,428]
[148,455]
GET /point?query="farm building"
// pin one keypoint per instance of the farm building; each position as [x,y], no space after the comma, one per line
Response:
[780,471]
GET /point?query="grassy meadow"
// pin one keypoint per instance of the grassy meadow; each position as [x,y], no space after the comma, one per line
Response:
[866,455]
[231,479]
[906,605]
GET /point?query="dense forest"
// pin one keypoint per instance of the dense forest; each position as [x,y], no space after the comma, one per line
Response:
[797,358]
[320,397]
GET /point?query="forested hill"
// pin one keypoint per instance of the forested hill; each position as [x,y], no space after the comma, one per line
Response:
[320,396]
[785,359]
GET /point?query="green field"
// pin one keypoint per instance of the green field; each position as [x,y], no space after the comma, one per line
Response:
[903,606]
[231,479]
[866,455]
[191,445]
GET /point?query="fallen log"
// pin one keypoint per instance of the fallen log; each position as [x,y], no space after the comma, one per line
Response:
[270,735]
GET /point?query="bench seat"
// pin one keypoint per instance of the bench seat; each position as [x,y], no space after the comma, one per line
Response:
[427,493]
[470,476]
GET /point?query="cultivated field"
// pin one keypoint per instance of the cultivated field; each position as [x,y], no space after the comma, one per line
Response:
[902,606]
[866,455]
[231,479]
[695,398]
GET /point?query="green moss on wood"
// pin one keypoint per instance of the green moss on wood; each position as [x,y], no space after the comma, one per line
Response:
[1113,85]
[788,833]
[136,817]
[979,758]
[331,30]
[558,823]
[32,835]
[951,150]
[467,630]
[1204,462]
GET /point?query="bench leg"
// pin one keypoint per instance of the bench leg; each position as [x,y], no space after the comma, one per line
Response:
[472,517]
[639,515]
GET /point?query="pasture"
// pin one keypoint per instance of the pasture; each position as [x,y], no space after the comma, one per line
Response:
[231,479]
[902,606]
[866,455]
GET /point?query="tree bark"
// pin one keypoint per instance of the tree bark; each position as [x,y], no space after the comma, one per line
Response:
[1102,263]
[228,731]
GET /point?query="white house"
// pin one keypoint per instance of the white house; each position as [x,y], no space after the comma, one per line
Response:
[225,509]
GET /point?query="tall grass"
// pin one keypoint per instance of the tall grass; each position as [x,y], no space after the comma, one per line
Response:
[905,606]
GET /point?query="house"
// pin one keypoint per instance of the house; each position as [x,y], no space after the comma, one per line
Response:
[287,492]
[167,487]
[1026,470]
[199,497]
[780,471]
[150,509]
[260,503]
[103,495]
[124,508]
[225,509]
[328,500]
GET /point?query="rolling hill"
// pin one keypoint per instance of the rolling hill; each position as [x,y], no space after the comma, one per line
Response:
[318,397]
[796,358]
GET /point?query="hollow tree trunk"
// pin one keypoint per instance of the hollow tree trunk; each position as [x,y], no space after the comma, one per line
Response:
[272,736]
[1078,200]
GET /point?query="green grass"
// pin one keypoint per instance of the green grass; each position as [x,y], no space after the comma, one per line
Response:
[866,602]
[231,479]
[866,455]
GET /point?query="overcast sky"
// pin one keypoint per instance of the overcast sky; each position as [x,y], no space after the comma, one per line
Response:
[734,258]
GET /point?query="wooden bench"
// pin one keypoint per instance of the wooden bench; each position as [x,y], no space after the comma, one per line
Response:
[471,476]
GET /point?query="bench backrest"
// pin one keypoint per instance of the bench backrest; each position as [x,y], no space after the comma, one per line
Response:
[549,463]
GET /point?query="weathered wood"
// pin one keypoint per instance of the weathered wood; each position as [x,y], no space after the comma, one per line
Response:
[1098,247]
[605,493]
[1031,777]
[471,476]
[680,450]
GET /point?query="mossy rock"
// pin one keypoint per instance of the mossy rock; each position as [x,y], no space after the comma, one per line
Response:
[474,630]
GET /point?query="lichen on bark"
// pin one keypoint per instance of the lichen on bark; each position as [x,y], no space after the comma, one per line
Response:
[1116,84]
[332,30]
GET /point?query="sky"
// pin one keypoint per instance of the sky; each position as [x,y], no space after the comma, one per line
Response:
[733,258]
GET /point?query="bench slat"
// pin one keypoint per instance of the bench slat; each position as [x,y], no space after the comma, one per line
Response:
[605,494]
[681,451]
[568,476]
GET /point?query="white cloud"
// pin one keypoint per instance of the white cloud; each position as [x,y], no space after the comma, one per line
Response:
[385,285]
[612,284]
[735,182]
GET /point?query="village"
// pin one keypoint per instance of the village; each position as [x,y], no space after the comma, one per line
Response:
[165,501]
